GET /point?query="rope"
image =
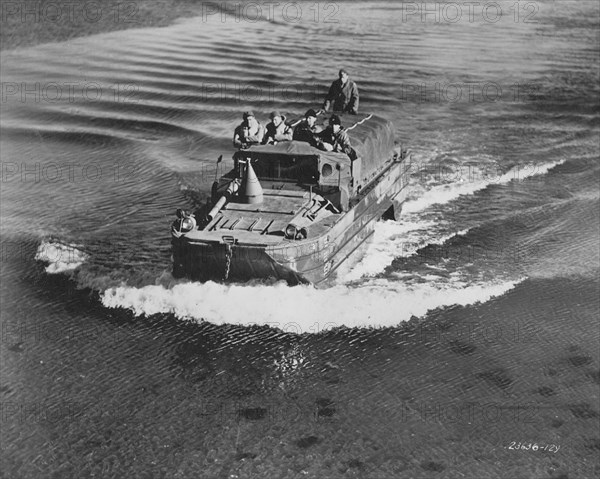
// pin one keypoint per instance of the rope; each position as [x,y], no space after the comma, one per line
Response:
[360,122]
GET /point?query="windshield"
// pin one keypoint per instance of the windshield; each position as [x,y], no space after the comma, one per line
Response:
[303,169]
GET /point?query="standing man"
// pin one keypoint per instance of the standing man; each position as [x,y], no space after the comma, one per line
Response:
[249,132]
[343,93]
[307,129]
[335,138]
[277,130]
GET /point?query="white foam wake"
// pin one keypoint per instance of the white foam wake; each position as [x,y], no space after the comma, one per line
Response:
[404,238]
[445,193]
[302,309]
[60,257]
[393,240]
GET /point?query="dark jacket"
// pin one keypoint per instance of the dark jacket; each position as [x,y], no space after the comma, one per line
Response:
[281,133]
[344,97]
[303,132]
[339,141]
[243,137]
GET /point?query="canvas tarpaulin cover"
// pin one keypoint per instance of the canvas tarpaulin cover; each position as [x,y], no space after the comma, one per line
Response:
[371,136]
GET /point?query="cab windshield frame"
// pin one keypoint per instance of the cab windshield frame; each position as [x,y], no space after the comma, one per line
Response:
[302,169]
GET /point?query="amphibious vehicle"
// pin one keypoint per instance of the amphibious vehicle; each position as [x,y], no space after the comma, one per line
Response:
[293,212]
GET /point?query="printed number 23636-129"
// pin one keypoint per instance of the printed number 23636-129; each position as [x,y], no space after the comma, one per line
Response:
[533,446]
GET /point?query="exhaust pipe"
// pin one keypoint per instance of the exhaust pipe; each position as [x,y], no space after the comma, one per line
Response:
[232,188]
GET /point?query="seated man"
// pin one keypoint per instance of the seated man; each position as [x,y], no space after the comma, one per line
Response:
[249,132]
[277,130]
[343,93]
[335,138]
[307,129]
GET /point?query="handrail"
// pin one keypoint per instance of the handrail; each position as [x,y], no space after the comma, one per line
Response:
[360,122]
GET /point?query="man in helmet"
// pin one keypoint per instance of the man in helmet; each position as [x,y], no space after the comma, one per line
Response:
[343,94]
[335,138]
[307,129]
[277,130]
[249,132]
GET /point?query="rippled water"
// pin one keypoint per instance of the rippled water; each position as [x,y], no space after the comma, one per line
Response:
[487,288]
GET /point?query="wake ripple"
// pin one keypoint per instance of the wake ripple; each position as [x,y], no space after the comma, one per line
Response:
[301,309]
[442,194]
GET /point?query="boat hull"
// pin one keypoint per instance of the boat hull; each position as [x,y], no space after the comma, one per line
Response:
[313,260]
